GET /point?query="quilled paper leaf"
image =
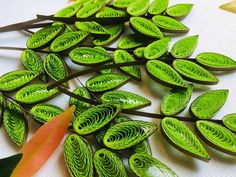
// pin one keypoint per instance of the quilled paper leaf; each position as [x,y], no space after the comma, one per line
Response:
[157,48]
[108,12]
[80,106]
[105,82]
[16,79]
[166,75]
[129,100]
[115,31]
[44,37]
[89,56]
[101,133]
[108,164]
[121,56]
[170,25]
[147,166]
[217,136]
[122,3]
[231,6]
[96,117]
[15,124]
[215,61]
[184,47]
[209,103]
[176,101]
[229,121]
[35,93]
[55,67]
[32,61]
[107,71]
[8,164]
[89,9]
[78,156]
[130,41]
[127,134]
[182,138]
[68,41]
[179,10]
[122,118]
[92,27]
[145,27]
[2,105]
[139,52]
[138,7]
[69,11]
[45,112]
[194,73]
[158,7]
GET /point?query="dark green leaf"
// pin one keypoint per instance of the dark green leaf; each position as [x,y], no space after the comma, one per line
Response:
[138,7]
[158,7]
[229,121]
[131,41]
[2,105]
[139,52]
[179,10]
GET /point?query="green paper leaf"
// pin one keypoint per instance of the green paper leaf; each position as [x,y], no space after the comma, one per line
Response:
[108,12]
[92,27]
[139,52]
[105,82]
[176,101]
[78,156]
[122,3]
[69,11]
[131,41]
[35,93]
[194,73]
[108,164]
[89,9]
[2,105]
[184,47]
[158,7]
[147,166]
[127,134]
[209,103]
[182,138]
[229,121]
[217,136]
[96,117]
[138,7]
[129,100]
[166,75]
[179,10]
[215,61]
[45,112]
[16,79]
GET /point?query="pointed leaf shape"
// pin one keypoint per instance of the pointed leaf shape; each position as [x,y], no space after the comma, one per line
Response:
[35,93]
[179,10]
[89,9]
[209,103]
[32,61]
[139,52]
[69,11]
[229,121]
[8,164]
[217,136]
[78,156]
[147,166]
[184,47]
[68,41]
[215,61]
[89,56]
[45,112]
[194,73]
[121,56]
[108,12]
[138,7]
[157,48]
[96,117]
[105,82]
[55,67]
[41,146]
[15,123]
[16,79]
[169,25]
[44,37]
[80,106]
[231,6]
[115,31]
[92,27]
[2,105]
[108,164]
[146,27]
[158,7]
[182,138]
[122,3]
[127,134]
[176,101]
[129,100]
[166,75]
[131,41]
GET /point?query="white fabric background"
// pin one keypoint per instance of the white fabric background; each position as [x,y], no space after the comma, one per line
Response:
[217,30]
